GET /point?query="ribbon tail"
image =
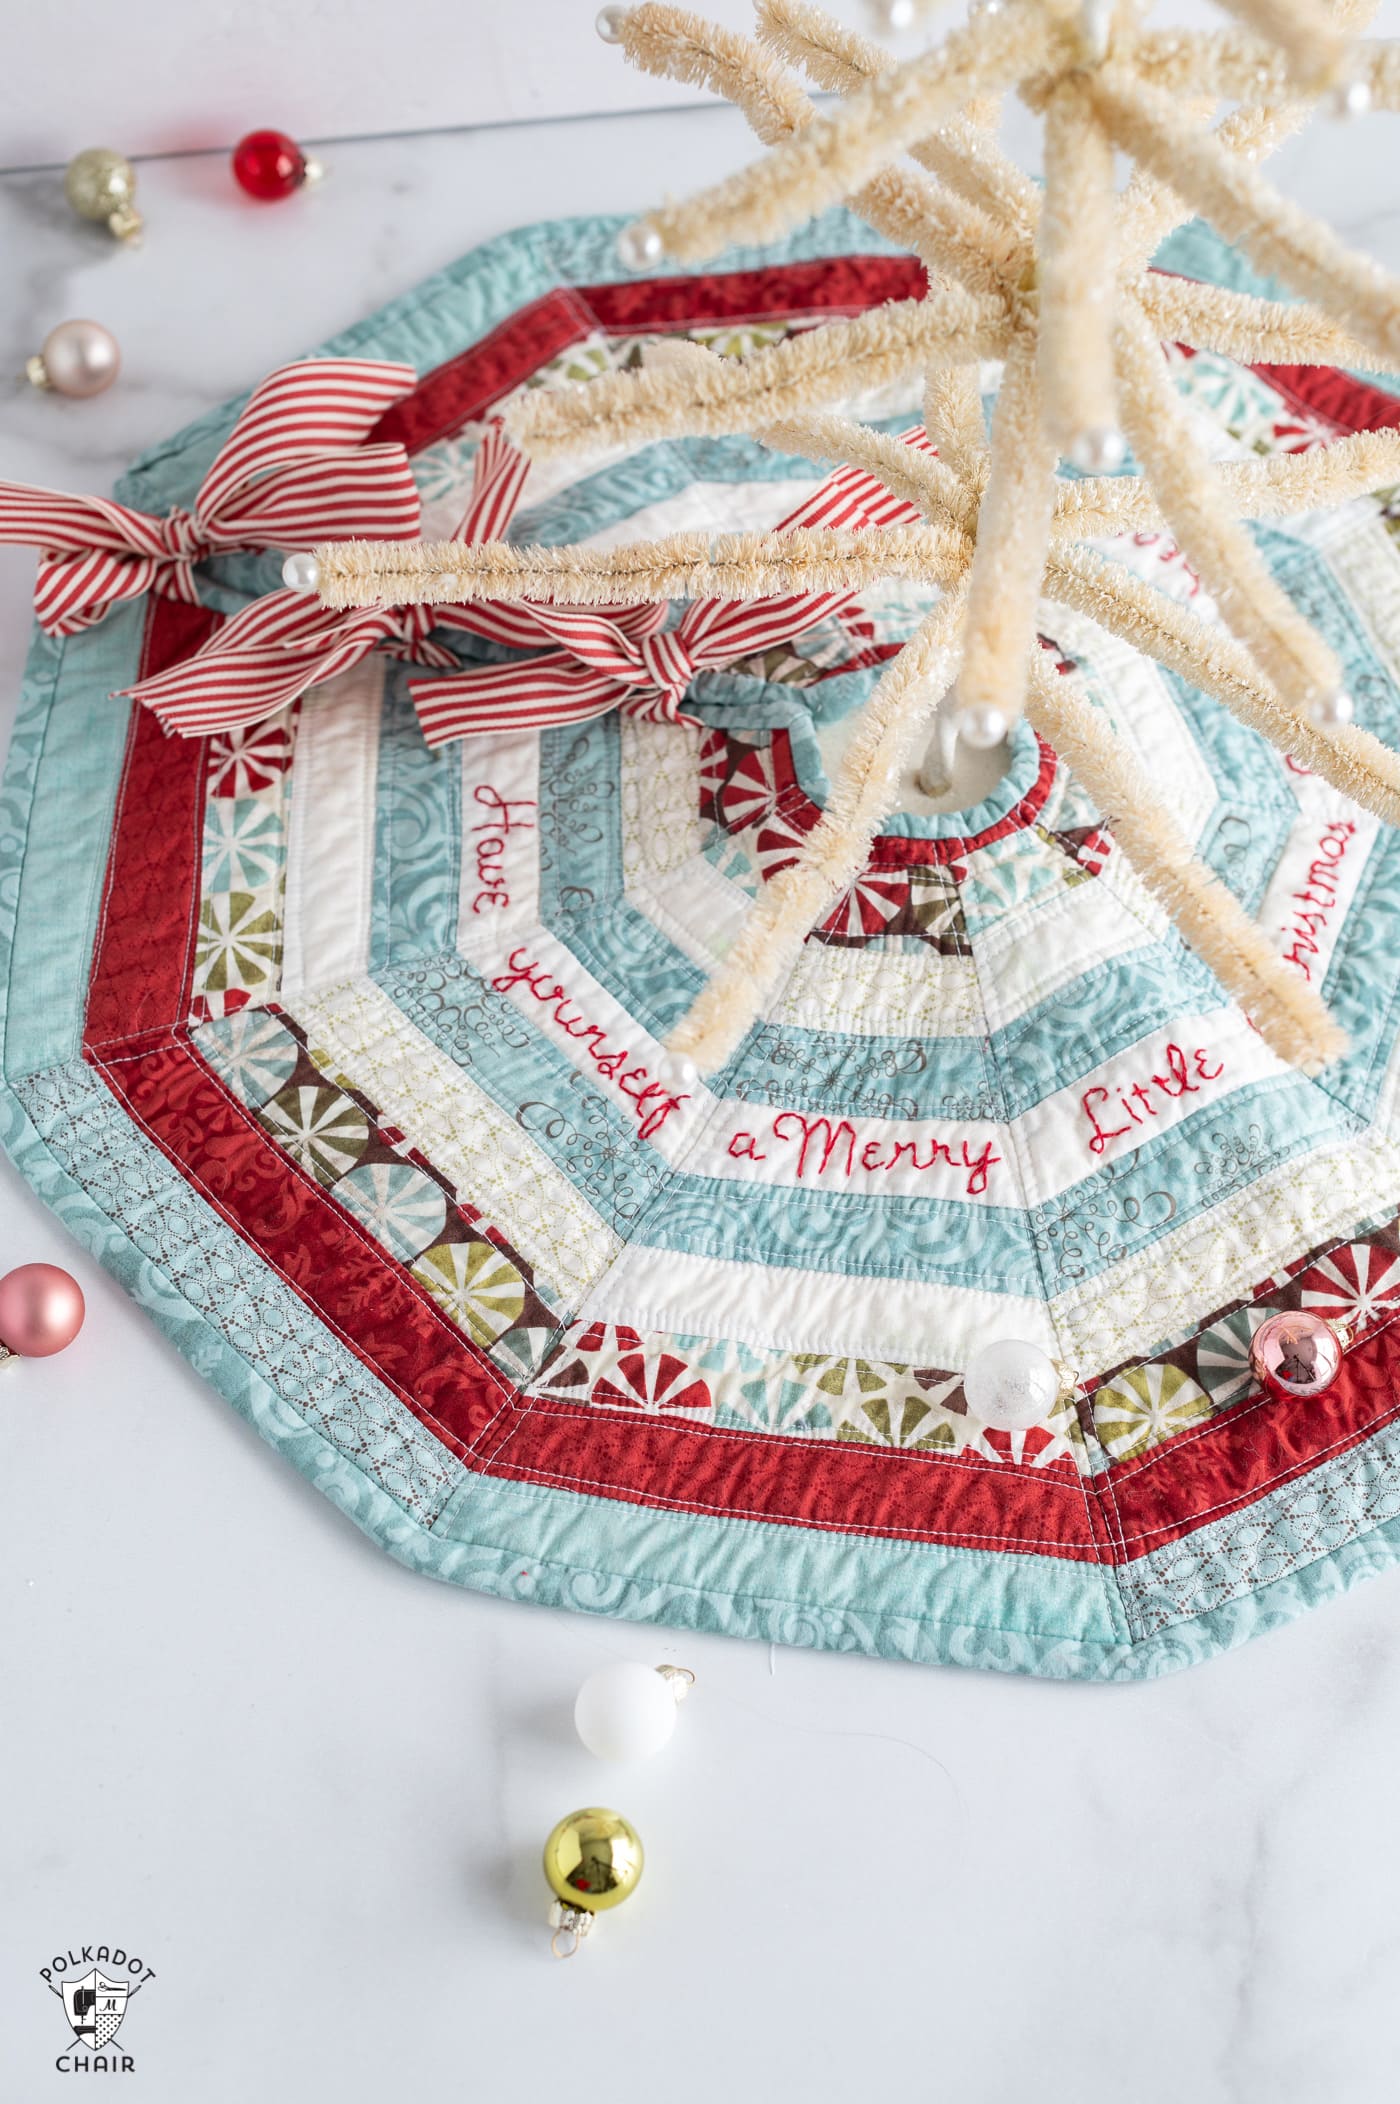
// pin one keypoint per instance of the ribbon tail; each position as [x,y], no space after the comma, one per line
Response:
[539,695]
[259,663]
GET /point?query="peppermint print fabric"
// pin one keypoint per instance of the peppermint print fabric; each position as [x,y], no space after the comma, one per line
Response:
[347,1056]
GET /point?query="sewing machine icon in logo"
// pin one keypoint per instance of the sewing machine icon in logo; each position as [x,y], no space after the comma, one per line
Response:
[95,2007]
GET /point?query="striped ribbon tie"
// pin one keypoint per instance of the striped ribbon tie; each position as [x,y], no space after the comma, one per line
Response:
[295,470]
[587,660]
[595,659]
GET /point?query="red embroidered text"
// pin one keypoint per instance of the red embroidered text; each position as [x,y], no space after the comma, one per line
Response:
[825,1146]
[1313,906]
[490,849]
[1185,1073]
[650,1100]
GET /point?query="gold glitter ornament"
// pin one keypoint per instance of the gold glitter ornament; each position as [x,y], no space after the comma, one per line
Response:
[101,185]
[593,1861]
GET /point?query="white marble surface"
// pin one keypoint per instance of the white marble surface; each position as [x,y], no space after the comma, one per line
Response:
[310,1789]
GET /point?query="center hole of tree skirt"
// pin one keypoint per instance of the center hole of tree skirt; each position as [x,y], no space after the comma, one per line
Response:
[975,773]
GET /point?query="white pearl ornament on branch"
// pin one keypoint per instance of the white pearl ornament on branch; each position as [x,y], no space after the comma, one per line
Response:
[301,573]
[639,246]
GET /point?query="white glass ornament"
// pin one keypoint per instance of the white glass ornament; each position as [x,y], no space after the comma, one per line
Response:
[608,23]
[892,16]
[627,1712]
[301,573]
[1011,1385]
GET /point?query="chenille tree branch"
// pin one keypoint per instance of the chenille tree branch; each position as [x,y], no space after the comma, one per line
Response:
[1058,288]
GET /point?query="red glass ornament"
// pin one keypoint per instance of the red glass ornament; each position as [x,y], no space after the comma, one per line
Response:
[1297,1355]
[268,165]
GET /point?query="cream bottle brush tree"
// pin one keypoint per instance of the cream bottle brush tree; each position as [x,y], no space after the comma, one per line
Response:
[1056,285]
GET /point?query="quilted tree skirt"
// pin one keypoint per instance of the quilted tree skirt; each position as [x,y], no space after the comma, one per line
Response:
[328,1046]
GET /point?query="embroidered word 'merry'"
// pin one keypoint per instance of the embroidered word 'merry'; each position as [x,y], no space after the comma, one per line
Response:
[823,1146]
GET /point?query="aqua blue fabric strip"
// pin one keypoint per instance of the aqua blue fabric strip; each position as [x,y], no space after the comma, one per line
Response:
[417,836]
[1346,1497]
[73,738]
[458,306]
[214,1294]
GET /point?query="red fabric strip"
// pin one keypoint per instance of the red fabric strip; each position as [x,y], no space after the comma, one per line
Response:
[141,964]
[345,1278]
[463,389]
[1197,1478]
[838,1485]
[1325,390]
[466,386]
[829,286]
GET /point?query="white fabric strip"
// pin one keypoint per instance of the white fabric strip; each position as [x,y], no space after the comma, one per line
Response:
[918,992]
[500,840]
[659,797]
[1317,876]
[494,1163]
[699,910]
[1221,1255]
[330,840]
[1085,926]
[1360,549]
[1196,1063]
[1139,702]
[772,1308]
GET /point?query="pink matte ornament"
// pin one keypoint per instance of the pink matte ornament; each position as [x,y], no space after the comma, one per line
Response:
[41,1310]
[1296,1355]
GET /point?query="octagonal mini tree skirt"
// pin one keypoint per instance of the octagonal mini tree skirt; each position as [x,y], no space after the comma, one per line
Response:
[346,1056]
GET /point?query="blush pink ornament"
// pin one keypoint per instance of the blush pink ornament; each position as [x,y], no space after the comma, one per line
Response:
[1296,1355]
[41,1310]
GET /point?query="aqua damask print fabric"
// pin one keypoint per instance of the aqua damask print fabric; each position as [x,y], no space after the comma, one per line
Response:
[346,1055]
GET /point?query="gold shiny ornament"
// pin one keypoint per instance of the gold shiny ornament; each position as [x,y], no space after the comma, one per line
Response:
[101,185]
[593,1861]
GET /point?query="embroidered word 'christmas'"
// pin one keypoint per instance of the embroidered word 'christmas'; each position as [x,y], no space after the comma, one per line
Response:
[1185,1073]
[650,1100]
[1317,901]
[490,852]
[824,1146]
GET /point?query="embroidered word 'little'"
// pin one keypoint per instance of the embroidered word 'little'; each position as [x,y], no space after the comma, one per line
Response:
[1184,1075]
[650,1100]
[837,1149]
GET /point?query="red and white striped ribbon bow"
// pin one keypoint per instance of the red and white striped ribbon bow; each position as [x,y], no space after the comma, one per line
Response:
[621,657]
[295,470]
[614,656]
[266,656]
